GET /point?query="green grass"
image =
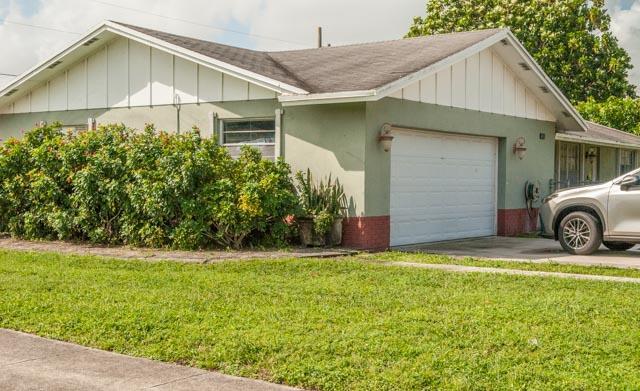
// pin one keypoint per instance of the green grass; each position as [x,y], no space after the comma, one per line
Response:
[396,256]
[335,324]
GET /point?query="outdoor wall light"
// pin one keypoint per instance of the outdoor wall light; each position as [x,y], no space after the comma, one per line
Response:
[591,154]
[385,138]
[519,149]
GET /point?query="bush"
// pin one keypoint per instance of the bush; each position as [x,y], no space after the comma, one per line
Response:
[118,186]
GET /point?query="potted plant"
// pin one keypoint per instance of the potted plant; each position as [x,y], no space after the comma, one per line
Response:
[323,205]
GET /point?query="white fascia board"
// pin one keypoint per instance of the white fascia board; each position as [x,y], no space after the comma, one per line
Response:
[589,140]
[547,81]
[207,61]
[328,98]
[21,79]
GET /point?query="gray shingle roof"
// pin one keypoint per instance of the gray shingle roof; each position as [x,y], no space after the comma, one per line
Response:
[606,134]
[335,69]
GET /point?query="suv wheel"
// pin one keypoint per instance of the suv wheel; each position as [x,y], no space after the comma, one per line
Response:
[580,233]
[619,246]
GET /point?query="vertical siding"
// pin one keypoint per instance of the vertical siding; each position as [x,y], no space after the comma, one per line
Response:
[162,75]
[139,74]
[186,80]
[210,85]
[77,86]
[234,89]
[443,87]
[126,73]
[481,82]
[96,80]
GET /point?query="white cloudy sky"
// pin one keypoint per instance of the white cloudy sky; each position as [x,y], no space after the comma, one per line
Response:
[288,24]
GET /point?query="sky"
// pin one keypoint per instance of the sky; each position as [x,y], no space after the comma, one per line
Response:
[254,24]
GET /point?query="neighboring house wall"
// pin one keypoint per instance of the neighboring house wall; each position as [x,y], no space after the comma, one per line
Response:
[125,73]
[481,82]
[607,162]
[513,173]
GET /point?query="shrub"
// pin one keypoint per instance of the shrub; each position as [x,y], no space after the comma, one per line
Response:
[115,185]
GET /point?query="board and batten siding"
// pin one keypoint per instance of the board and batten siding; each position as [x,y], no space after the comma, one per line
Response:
[481,82]
[126,73]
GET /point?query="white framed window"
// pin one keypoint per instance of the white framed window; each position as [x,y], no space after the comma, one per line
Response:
[627,161]
[260,133]
[248,131]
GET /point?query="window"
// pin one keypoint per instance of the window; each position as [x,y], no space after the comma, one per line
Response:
[249,131]
[627,161]
[568,165]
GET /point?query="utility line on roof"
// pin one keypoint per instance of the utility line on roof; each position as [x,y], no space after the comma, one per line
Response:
[7,74]
[39,27]
[197,24]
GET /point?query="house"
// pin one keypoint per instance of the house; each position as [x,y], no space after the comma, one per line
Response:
[434,138]
[596,155]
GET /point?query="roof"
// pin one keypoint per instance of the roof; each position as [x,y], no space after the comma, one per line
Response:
[350,73]
[600,134]
[339,68]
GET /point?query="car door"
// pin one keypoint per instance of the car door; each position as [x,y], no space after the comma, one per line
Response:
[624,207]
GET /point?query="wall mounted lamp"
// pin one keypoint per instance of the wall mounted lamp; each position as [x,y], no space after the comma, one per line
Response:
[385,138]
[519,148]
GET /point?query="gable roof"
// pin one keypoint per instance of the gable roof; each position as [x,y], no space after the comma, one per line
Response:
[602,135]
[362,72]
[335,69]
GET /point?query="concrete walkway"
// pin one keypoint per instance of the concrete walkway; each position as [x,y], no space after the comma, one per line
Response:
[494,270]
[536,250]
[28,362]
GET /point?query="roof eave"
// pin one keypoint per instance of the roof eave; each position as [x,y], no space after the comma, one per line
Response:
[590,140]
[116,28]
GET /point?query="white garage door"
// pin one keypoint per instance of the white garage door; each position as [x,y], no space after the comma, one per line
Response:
[443,187]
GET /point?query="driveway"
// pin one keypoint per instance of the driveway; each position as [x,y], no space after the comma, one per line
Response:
[527,250]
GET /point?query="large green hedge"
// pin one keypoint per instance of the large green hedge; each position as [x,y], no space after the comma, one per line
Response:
[115,185]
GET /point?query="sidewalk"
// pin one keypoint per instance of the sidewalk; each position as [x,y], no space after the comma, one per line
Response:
[513,272]
[28,362]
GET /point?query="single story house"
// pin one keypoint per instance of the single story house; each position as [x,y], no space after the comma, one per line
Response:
[434,138]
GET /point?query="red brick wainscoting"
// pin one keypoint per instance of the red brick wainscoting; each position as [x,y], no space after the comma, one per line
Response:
[366,233]
[516,221]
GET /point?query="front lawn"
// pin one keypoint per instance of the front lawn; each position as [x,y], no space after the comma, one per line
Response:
[335,324]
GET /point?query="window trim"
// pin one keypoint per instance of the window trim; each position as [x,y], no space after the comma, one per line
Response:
[223,121]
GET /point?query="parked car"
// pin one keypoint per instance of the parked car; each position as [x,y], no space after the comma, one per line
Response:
[583,218]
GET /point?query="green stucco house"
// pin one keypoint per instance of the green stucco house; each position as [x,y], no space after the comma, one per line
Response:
[434,138]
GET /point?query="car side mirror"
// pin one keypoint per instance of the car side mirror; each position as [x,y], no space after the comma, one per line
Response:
[628,182]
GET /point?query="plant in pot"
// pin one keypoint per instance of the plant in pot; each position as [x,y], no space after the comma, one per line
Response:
[323,206]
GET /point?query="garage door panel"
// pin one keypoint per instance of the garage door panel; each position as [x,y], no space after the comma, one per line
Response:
[443,187]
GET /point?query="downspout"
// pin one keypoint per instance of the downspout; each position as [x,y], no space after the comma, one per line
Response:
[178,106]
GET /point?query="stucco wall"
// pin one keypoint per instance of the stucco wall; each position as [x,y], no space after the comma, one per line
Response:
[512,172]
[329,139]
[164,117]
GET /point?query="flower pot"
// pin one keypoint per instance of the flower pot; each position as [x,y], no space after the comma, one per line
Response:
[336,232]
[308,236]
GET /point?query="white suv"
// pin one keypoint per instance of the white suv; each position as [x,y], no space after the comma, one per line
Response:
[583,218]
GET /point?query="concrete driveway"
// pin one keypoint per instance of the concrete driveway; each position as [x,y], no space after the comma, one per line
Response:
[527,250]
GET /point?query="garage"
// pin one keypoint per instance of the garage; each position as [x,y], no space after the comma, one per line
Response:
[443,187]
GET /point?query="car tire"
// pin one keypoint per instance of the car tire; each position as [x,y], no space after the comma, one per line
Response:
[619,246]
[580,233]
